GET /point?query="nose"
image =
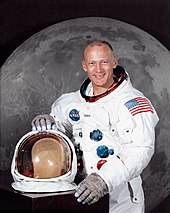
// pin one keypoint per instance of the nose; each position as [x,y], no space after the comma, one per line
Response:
[98,67]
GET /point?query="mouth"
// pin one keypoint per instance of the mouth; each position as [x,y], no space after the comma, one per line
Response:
[100,77]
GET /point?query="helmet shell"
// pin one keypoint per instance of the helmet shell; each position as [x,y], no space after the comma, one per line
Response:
[42,160]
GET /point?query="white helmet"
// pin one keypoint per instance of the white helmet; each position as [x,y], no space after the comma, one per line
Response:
[44,161]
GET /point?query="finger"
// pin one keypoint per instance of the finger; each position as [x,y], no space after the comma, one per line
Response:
[49,122]
[53,126]
[89,198]
[36,124]
[33,125]
[94,200]
[84,196]
[39,122]
[43,125]
[43,128]
[33,128]
[80,189]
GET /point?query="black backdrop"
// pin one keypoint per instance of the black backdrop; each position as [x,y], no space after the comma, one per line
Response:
[20,19]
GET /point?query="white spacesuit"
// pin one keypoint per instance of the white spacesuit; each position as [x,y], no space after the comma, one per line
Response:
[116,133]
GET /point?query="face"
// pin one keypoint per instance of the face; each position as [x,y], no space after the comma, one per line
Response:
[99,63]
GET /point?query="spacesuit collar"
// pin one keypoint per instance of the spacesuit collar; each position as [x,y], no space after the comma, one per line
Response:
[119,76]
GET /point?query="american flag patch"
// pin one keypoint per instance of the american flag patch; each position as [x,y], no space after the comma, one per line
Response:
[138,105]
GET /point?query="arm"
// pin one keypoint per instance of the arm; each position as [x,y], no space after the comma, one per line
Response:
[136,134]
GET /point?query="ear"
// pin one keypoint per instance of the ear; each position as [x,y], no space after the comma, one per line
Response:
[115,62]
[84,66]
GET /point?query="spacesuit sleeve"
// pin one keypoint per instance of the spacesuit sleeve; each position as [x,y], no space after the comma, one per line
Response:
[136,133]
[58,111]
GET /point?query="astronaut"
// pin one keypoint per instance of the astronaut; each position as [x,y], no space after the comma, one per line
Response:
[44,162]
[113,124]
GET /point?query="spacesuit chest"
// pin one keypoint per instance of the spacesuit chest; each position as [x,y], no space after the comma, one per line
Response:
[93,127]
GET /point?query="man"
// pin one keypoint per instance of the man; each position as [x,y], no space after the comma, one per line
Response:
[113,124]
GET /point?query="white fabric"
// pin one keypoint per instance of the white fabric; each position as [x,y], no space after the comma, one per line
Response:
[132,138]
[38,187]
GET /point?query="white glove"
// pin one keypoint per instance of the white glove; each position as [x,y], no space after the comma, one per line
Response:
[43,122]
[91,189]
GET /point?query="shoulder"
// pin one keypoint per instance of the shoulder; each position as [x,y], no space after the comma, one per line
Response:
[66,98]
[138,106]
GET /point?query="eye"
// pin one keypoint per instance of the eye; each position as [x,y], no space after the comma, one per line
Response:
[91,63]
[104,62]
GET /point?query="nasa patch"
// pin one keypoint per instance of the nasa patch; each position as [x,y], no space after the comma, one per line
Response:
[74,115]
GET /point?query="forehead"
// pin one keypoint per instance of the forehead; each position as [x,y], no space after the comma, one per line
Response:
[97,50]
[97,45]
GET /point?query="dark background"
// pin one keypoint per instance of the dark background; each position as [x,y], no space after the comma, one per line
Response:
[20,19]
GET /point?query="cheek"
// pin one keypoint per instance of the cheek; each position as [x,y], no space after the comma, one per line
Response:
[90,75]
[90,70]
[109,70]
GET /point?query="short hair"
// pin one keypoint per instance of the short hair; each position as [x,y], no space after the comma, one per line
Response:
[99,43]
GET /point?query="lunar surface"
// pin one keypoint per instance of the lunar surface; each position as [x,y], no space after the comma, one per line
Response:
[49,64]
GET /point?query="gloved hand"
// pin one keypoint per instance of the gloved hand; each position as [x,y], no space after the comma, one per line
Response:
[43,122]
[91,189]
